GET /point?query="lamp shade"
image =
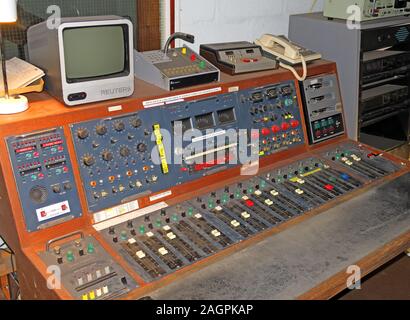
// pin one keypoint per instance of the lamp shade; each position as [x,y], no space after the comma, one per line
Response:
[8,11]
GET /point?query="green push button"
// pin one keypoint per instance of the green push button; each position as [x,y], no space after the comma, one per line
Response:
[262,184]
[70,256]
[90,248]
[158,223]
[124,235]
[238,194]
[202,65]
[211,204]
[142,229]
[190,211]
[175,218]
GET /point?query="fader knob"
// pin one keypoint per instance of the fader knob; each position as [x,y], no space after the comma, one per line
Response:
[83,133]
[125,152]
[107,156]
[101,130]
[142,147]
[89,160]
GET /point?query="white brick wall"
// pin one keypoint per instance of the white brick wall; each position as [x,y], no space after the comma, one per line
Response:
[233,20]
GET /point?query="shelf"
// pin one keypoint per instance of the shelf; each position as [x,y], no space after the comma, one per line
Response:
[381,143]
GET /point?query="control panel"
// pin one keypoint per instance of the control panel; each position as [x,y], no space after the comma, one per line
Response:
[87,271]
[126,157]
[44,177]
[323,108]
[237,57]
[176,69]
[274,112]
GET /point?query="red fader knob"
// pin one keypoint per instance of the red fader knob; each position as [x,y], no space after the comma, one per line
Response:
[265,132]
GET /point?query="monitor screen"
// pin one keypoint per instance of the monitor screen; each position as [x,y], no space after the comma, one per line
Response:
[92,52]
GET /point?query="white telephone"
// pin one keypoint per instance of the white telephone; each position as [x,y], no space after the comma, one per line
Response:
[288,53]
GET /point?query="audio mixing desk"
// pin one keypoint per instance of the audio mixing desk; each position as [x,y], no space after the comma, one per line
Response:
[98,194]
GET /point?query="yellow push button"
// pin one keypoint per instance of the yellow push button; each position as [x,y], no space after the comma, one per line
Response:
[92,295]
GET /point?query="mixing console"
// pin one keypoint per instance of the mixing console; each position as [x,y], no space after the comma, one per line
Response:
[88,272]
[127,177]
[169,239]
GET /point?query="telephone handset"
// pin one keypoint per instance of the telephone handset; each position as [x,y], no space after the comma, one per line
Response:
[288,53]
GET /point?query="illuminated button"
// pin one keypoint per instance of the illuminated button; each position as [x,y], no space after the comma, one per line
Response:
[268,202]
[235,223]
[294,123]
[70,256]
[89,277]
[265,132]
[193,57]
[258,192]
[105,290]
[85,297]
[175,218]
[299,191]
[163,251]
[345,177]
[124,235]
[329,187]
[80,281]
[285,126]
[183,51]
[90,248]
[158,223]
[202,65]
[98,293]
[98,274]
[142,229]
[171,235]
[190,211]
[275,129]
[93,184]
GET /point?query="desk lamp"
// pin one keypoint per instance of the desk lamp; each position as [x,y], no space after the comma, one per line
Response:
[9,104]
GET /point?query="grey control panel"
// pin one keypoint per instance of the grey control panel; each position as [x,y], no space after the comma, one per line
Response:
[323,108]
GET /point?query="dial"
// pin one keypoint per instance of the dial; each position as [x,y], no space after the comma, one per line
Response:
[142,147]
[101,129]
[136,122]
[88,160]
[83,133]
[119,126]
[107,156]
[125,152]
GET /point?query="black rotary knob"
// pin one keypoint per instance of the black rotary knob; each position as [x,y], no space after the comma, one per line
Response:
[136,122]
[38,194]
[107,156]
[125,152]
[119,126]
[142,147]
[83,133]
[88,160]
[101,130]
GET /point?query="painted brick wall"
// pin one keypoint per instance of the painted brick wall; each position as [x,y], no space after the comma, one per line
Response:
[232,20]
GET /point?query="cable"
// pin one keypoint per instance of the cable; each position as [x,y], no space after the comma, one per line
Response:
[290,68]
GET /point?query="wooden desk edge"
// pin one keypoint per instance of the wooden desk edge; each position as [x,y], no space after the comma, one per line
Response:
[337,283]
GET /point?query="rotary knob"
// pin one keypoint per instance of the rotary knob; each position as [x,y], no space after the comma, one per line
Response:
[88,160]
[83,133]
[38,194]
[136,122]
[125,152]
[101,130]
[142,147]
[107,156]
[119,126]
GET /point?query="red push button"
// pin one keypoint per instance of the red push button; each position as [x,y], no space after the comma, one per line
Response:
[265,132]
[294,123]
[329,187]
[275,129]
[250,203]
[285,126]
[193,57]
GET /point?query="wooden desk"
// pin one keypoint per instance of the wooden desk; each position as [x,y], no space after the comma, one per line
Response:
[310,259]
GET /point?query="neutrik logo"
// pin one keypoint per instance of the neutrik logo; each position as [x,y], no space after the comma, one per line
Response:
[115,91]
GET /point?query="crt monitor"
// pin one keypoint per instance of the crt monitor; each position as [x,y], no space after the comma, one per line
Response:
[86,59]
